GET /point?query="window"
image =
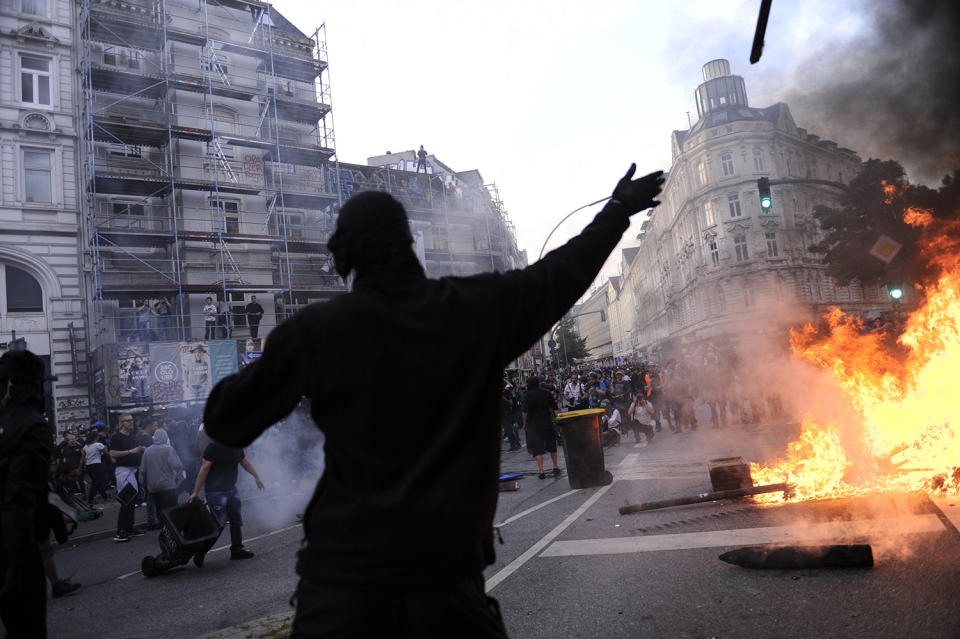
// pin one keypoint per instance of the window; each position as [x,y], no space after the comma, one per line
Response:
[702,173]
[21,291]
[439,236]
[729,128]
[133,59]
[740,245]
[126,150]
[757,160]
[727,161]
[34,7]
[228,220]
[34,80]
[721,299]
[772,249]
[708,215]
[714,252]
[733,201]
[128,215]
[110,55]
[38,175]
[749,296]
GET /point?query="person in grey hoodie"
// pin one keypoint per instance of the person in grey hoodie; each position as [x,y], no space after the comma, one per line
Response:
[161,471]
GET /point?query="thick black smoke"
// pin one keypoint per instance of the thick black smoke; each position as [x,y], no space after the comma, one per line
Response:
[893,92]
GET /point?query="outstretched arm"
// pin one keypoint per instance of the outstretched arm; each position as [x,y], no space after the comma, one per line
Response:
[247,466]
[245,404]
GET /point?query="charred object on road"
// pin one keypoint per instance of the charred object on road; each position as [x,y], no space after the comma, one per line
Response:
[796,557]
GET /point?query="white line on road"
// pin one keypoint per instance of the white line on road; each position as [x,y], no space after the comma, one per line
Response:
[536,508]
[640,444]
[811,533]
[515,565]
[272,532]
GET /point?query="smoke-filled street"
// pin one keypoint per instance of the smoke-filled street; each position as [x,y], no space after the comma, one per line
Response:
[571,566]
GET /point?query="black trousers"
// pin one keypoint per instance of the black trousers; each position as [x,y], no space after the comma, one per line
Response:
[254,329]
[23,609]
[459,610]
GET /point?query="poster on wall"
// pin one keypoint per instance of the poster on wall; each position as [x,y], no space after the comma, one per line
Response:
[195,364]
[249,350]
[166,380]
[223,359]
[133,363]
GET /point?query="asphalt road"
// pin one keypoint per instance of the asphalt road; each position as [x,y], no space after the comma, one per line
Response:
[571,566]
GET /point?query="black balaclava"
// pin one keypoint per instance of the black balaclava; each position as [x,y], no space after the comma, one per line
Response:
[372,231]
[533,382]
[21,379]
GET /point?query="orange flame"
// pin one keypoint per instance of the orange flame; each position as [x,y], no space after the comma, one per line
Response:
[905,393]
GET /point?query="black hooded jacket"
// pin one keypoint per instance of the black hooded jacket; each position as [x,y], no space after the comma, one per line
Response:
[404,374]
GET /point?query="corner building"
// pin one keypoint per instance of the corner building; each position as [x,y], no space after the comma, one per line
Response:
[711,264]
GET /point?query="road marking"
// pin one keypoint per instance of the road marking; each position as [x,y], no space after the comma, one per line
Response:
[537,507]
[515,565]
[272,532]
[949,507]
[640,444]
[827,532]
[629,460]
[531,552]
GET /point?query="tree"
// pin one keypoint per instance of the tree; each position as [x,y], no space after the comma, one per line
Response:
[570,346]
[873,206]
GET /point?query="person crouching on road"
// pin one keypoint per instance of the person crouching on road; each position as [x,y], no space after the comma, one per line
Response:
[219,473]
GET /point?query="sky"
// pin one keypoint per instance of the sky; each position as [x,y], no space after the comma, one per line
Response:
[551,101]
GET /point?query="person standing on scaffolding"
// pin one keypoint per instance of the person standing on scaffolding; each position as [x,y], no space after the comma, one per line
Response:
[402,518]
[421,159]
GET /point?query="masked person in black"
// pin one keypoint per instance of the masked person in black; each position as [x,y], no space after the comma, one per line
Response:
[25,448]
[400,527]
[538,410]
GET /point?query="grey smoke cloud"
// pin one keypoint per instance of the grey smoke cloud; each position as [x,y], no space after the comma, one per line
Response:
[890,92]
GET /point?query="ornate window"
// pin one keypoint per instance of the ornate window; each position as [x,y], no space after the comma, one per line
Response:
[757,160]
[38,175]
[733,201]
[740,246]
[35,81]
[726,160]
[772,248]
[20,292]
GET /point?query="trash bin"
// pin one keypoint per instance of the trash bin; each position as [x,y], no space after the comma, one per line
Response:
[185,530]
[583,448]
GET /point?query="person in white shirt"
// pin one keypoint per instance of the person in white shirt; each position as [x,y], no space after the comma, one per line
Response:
[209,319]
[573,392]
[93,464]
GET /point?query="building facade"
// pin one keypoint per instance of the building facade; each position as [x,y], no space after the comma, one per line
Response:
[592,321]
[41,288]
[711,262]
[210,178]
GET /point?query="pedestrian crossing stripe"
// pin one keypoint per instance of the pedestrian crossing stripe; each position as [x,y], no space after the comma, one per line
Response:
[801,533]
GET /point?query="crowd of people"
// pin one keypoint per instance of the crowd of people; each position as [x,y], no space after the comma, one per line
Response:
[640,398]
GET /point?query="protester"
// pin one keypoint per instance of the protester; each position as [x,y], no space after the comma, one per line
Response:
[218,475]
[25,450]
[538,412]
[508,418]
[389,472]
[161,471]
[126,455]
[93,464]
[209,319]
[641,413]
[421,159]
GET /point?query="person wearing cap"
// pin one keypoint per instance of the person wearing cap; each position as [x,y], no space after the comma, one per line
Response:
[402,518]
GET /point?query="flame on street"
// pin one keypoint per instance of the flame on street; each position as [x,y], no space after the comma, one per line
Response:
[903,392]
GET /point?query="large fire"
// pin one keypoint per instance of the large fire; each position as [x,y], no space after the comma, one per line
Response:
[904,391]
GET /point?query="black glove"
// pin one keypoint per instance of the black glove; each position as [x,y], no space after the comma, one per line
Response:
[637,195]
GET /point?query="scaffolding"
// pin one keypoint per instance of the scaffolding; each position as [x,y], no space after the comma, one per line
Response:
[209,159]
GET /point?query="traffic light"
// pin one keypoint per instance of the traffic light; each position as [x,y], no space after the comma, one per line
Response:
[766,201]
[896,293]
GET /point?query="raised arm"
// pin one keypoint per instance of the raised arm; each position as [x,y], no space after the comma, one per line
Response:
[244,405]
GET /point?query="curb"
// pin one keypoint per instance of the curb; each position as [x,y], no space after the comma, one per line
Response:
[270,627]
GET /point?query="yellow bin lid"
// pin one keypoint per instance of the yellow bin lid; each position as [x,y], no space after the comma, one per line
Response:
[581,413]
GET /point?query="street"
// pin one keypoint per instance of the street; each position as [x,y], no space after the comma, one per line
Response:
[571,566]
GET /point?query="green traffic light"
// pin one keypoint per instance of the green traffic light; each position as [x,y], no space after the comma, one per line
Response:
[766,202]
[896,293]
